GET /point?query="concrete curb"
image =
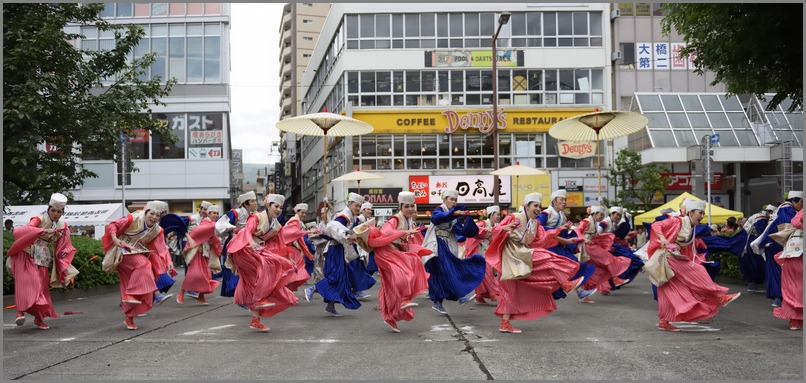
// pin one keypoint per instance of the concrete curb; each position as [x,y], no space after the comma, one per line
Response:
[65,294]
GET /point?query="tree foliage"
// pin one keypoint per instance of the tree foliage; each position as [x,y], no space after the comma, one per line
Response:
[752,48]
[70,98]
[635,184]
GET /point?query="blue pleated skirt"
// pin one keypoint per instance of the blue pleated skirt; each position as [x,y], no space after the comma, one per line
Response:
[164,282]
[336,285]
[773,272]
[452,278]
[635,262]
[228,279]
[371,266]
[360,278]
[752,265]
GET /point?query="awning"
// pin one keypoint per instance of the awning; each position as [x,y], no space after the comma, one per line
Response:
[718,214]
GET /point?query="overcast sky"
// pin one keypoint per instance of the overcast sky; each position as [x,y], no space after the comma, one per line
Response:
[254,79]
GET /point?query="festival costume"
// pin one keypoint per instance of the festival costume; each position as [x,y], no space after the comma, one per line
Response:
[529,298]
[231,223]
[752,265]
[336,286]
[138,268]
[261,273]
[451,277]
[783,214]
[792,280]
[552,219]
[690,295]
[488,288]
[598,253]
[35,270]
[401,270]
[198,274]
[293,235]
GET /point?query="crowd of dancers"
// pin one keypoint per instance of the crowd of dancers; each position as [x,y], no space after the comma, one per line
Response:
[522,262]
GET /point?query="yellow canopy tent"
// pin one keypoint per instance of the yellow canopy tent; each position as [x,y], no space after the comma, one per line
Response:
[718,214]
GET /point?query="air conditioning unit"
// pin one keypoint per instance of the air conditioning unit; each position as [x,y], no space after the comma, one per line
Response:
[615,13]
[615,55]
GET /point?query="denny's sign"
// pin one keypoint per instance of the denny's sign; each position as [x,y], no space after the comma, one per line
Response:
[571,149]
[455,121]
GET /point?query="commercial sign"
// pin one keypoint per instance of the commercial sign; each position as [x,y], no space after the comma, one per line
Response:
[204,153]
[682,181]
[652,55]
[576,150]
[379,195]
[523,185]
[473,58]
[471,188]
[455,121]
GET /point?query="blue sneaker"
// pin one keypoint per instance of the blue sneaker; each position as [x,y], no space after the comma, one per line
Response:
[331,309]
[466,298]
[309,293]
[192,294]
[582,293]
[777,302]
[244,307]
[159,297]
[438,306]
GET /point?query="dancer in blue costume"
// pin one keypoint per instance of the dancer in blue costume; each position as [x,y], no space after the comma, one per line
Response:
[450,277]
[338,283]
[752,265]
[783,214]
[619,224]
[553,217]
[230,224]
[164,280]
[365,263]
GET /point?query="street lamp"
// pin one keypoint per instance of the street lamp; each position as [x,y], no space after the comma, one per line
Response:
[503,18]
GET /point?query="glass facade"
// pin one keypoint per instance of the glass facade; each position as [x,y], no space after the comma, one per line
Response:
[682,119]
[189,52]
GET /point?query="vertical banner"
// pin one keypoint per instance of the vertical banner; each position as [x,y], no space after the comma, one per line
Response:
[661,55]
[643,55]
[678,60]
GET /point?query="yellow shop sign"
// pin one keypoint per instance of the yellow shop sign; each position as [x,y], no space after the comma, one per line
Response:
[451,121]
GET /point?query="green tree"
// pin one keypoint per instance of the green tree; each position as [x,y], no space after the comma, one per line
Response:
[751,48]
[72,99]
[635,184]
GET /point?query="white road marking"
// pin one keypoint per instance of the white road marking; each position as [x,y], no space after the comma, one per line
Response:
[209,331]
[66,339]
[442,327]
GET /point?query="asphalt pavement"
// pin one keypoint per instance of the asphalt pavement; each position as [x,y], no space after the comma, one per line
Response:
[613,339]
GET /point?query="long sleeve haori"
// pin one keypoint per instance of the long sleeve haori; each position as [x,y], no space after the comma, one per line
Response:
[138,269]
[690,295]
[30,260]
[451,277]
[261,276]
[528,298]
[403,276]
[597,252]
[199,258]
[293,234]
[336,286]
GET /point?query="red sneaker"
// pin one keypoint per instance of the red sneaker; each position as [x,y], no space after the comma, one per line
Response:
[180,298]
[201,299]
[571,285]
[130,299]
[393,325]
[619,282]
[666,326]
[129,322]
[795,324]
[255,324]
[20,319]
[587,300]
[407,304]
[726,299]
[507,327]
[41,324]
[263,304]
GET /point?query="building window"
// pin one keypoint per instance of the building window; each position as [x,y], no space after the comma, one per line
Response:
[165,150]
[307,4]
